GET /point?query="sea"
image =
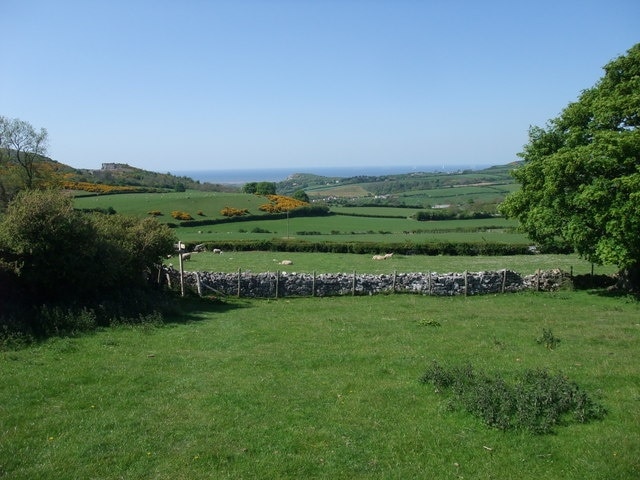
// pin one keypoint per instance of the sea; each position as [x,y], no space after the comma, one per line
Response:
[278,174]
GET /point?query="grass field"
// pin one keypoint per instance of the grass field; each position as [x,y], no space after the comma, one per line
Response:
[336,262]
[337,228]
[320,388]
[191,202]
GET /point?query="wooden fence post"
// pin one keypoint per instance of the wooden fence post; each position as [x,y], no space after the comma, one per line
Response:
[504,279]
[429,281]
[180,262]
[277,282]
[313,285]
[393,287]
[466,285]
[538,280]
[239,276]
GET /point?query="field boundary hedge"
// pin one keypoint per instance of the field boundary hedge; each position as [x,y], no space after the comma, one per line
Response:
[404,248]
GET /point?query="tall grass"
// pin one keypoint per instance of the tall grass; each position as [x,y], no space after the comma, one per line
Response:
[319,388]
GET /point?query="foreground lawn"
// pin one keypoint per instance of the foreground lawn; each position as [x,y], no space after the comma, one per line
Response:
[320,388]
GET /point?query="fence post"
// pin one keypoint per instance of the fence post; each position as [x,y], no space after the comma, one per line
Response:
[466,285]
[538,280]
[504,279]
[198,286]
[313,285]
[239,275]
[429,282]
[393,287]
[277,282]
[180,262]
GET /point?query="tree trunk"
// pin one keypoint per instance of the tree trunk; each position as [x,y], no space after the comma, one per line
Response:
[629,278]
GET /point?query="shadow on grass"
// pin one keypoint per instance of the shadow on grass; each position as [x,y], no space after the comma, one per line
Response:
[194,309]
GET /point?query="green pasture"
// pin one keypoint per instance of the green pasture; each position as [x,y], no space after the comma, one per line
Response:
[376,225]
[324,388]
[342,228]
[191,201]
[458,195]
[347,263]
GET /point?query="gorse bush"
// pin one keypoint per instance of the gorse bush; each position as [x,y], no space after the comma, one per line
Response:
[537,401]
[178,215]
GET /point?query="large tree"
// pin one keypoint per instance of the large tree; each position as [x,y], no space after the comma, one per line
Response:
[581,174]
[21,150]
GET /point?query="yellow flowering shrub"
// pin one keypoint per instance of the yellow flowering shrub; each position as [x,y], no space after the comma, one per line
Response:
[178,215]
[281,203]
[233,212]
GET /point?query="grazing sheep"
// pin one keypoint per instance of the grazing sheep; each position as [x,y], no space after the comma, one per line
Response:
[217,250]
[286,262]
[382,257]
[200,248]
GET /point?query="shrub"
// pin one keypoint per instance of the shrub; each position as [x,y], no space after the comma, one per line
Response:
[537,401]
[548,339]
[155,213]
[178,215]
[233,212]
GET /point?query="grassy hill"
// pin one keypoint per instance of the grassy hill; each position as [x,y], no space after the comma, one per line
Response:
[476,190]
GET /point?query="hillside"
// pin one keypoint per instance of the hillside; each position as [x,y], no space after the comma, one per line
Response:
[415,189]
[121,174]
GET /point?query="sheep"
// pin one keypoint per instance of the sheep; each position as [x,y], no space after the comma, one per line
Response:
[382,257]
[200,248]
[217,251]
[286,262]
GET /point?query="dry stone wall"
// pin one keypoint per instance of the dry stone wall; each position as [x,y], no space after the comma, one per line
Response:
[286,284]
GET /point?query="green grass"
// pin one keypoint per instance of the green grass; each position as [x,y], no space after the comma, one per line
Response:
[342,228]
[337,262]
[191,202]
[319,388]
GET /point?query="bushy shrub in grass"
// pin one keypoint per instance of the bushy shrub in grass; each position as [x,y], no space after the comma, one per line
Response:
[537,400]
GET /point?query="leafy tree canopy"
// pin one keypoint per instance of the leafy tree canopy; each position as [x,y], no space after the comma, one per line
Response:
[581,174]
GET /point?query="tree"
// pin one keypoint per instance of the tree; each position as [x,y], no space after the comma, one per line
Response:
[301,195]
[250,187]
[580,177]
[24,146]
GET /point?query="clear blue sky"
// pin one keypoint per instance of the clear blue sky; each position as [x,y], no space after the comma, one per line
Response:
[196,84]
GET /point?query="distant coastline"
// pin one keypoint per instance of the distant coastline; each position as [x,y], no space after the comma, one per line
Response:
[242,176]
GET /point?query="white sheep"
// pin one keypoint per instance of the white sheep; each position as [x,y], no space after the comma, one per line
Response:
[286,262]
[217,251]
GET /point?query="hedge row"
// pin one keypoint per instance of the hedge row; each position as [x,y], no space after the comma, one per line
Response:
[311,211]
[433,248]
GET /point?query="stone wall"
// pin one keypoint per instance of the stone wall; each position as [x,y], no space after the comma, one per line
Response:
[284,284]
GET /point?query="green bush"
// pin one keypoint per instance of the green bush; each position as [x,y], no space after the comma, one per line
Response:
[53,255]
[537,401]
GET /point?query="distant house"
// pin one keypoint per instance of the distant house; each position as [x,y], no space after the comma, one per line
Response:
[115,166]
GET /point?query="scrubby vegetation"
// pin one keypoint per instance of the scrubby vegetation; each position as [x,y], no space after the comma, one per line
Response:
[64,270]
[536,400]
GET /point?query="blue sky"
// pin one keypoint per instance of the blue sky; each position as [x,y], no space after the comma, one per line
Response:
[195,84]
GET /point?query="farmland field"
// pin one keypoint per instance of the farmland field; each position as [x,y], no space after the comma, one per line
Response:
[320,388]
[358,225]
[336,262]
